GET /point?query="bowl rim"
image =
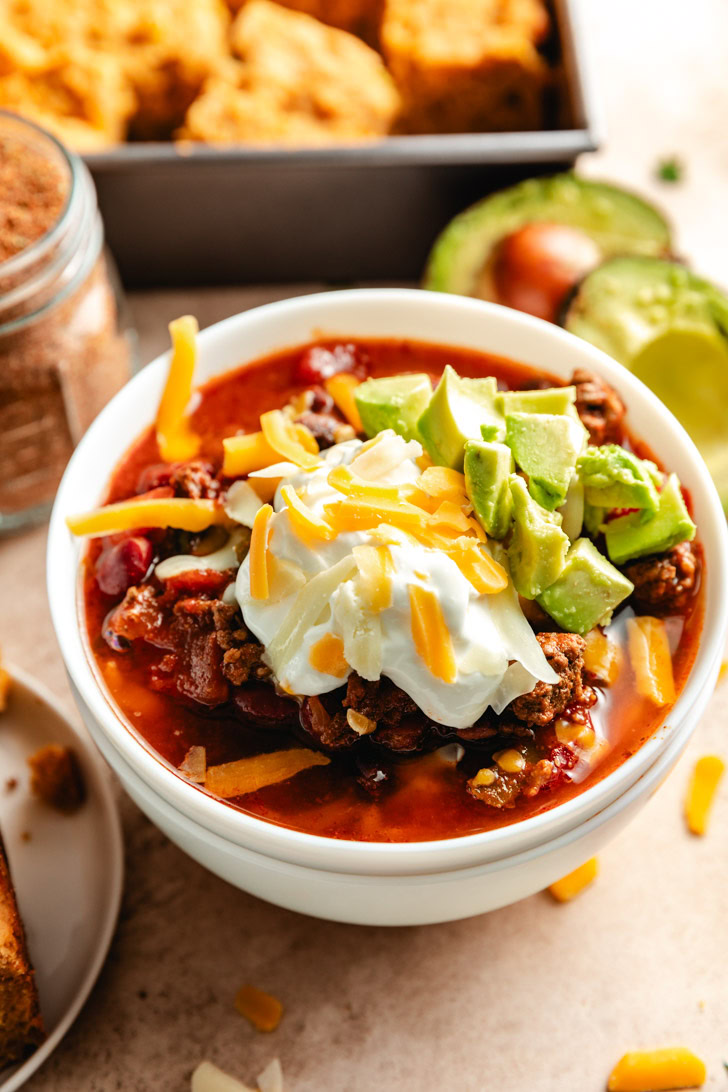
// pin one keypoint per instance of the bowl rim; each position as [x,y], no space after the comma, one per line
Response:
[380,308]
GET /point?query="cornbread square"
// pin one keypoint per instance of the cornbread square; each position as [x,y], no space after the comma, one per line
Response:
[299,82]
[466,65]
[21,1026]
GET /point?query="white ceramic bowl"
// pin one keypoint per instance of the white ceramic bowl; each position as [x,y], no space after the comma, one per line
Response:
[374,883]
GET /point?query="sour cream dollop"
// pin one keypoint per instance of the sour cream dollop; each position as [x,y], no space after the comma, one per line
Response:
[496,653]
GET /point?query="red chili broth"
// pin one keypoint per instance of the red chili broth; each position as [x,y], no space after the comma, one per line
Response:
[428,800]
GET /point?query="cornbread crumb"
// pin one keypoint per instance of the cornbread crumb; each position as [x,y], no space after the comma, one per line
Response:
[262,1010]
[56,778]
[21,1026]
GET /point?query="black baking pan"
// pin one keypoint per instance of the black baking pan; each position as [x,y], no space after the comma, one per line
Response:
[208,215]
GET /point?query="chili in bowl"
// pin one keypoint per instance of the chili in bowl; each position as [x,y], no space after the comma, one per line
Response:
[388,606]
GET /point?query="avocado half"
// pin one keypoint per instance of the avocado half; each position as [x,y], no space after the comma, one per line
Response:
[670,328]
[616,220]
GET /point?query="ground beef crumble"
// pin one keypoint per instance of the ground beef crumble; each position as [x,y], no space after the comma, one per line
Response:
[666,583]
[564,652]
[599,406]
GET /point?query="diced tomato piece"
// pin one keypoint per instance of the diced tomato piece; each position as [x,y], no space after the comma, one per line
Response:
[198,582]
[318,364]
[152,477]
[121,566]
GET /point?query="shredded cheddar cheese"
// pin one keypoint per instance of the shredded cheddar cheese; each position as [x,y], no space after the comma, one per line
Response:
[444,484]
[246,775]
[430,634]
[251,452]
[175,439]
[259,584]
[649,653]
[450,517]
[574,883]
[304,522]
[703,786]
[262,1010]
[375,576]
[286,441]
[341,387]
[602,657]
[179,512]
[657,1071]
[361,515]
[351,485]
[327,656]
[486,575]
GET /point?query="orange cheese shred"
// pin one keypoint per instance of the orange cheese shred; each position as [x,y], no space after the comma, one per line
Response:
[704,784]
[444,484]
[259,582]
[175,439]
[486,575]
[430,634]
[363,515]
[246,775]
[657,1071]
[568,887]
[244,454]
[327,656]
[602,657]
[649,653]
[341,387]
[179,512]
[282,436]
[262,1010]
[304,522]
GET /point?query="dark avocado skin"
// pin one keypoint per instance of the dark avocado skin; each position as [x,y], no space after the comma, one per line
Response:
[618,221]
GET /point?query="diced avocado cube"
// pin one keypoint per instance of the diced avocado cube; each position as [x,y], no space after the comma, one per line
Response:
[488,469]
[546,446]
[616,478]
[631,536]
[593,519]
[457,411]
[550,400]
[394,401]
[587,590]
[538,546]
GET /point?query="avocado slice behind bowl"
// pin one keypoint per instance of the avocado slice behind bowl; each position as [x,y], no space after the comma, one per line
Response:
[619,222]
[670,328]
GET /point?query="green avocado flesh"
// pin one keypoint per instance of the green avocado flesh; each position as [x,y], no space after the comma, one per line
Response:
[670,328]
[630,537]
[457,412]
[550,400]
[395,402]
[615,478]
[586,591]
[488,468]
[546,446]
[538,546]
[617,221]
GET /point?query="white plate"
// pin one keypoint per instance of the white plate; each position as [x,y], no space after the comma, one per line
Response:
[68,875]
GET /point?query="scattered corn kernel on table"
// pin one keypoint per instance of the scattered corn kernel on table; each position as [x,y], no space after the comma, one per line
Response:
[538,997]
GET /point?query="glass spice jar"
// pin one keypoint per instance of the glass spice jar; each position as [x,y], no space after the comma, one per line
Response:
[65,346]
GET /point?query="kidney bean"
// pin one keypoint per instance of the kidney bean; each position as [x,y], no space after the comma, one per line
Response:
[121,566]
[262,706]
[318,364]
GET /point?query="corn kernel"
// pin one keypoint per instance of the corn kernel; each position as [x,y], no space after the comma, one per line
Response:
[657,1071]
[510,761]
[486,776]
[567,731]
[360,724]
[586,738]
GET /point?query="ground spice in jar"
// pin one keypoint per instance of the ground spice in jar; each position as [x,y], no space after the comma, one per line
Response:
[33,191]
[63,351]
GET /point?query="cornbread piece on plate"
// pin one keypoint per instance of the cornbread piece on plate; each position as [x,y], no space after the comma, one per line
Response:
[21,1025]
[299,82]
[466,65]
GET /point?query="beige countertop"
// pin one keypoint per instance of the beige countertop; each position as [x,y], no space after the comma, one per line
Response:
[533,998]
